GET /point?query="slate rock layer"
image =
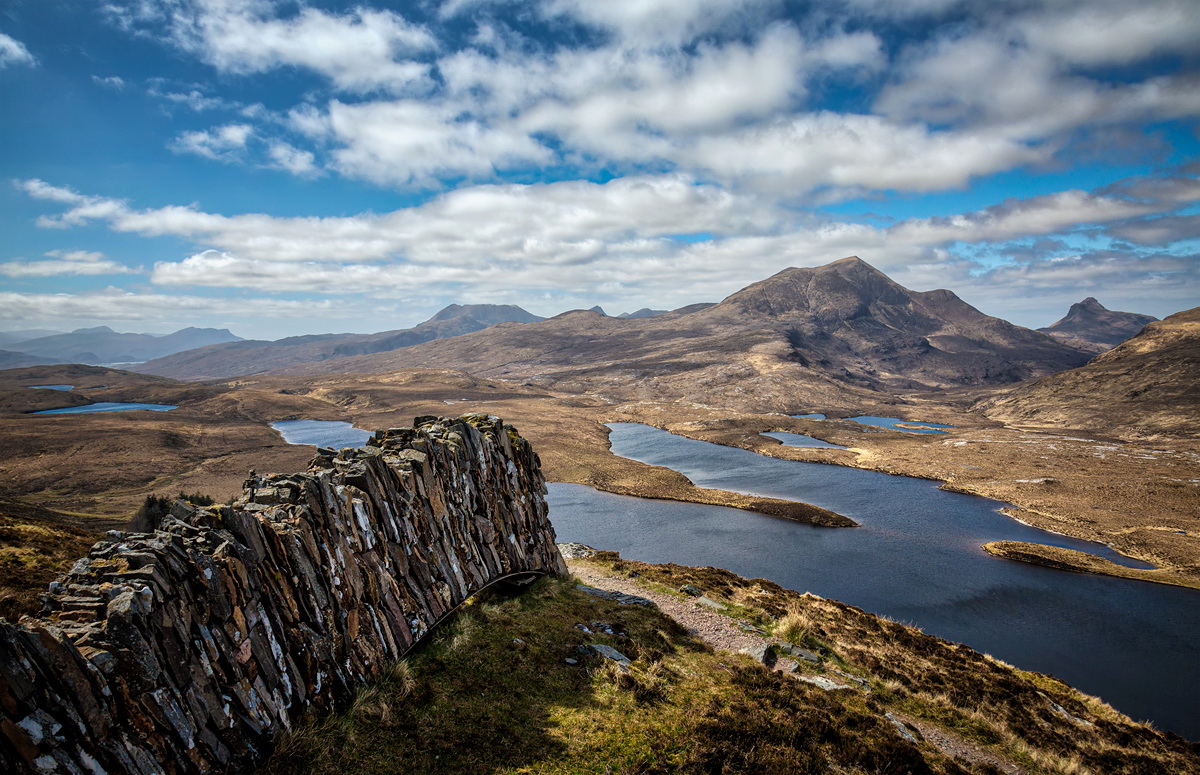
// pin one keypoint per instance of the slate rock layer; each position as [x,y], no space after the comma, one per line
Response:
[188,650]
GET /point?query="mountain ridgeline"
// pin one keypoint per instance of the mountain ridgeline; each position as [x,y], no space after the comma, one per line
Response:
[836,333]
[1147,386]
[103,345]
[251,356]
[1091,326]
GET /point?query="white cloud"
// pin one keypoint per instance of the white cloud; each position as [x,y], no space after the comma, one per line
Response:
[852,152]
[361,50]
[222,143]
[411,141]
[1016,218]
[112,81]
[660,21]
[13,52]
[472,224]
[618,243]
[66,262]
[1112,31]
[291,159]
[114,304]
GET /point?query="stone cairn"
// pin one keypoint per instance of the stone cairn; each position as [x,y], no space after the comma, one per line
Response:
[190,649]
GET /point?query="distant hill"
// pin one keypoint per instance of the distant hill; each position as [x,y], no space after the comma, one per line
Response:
[839,334]
[235,359]
[15,337]
[1091,326]
[103,345]
[644,312]
[1146,386]
[15,360]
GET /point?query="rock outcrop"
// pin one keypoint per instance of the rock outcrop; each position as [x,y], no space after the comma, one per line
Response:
[188,650]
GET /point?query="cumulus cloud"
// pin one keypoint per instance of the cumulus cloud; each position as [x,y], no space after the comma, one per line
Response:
[360,50]
[114,304]
[856,152]
[1159,231]
[222,143]
[64,263]
[1112,31]
[542,222]
[659,21]
[13,52]
[291,159]
[111,81]
[1015,218]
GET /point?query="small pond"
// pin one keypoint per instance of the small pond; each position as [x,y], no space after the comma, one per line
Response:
[812,416]
[108,406]
[915,558]
[322,433]
[891,424]
[800,440]
[52,387]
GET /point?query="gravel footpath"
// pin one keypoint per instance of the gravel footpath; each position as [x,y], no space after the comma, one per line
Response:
[716,629]
[722,632]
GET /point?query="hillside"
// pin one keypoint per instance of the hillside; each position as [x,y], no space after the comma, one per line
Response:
[519,685]
[103,345]
[1147,386]
[1090,325]
[839,334]
[235,359]
[15,360]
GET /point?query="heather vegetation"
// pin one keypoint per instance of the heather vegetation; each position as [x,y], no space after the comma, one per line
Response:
[494,692]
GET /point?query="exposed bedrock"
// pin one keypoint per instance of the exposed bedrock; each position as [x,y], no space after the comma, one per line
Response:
[188,650]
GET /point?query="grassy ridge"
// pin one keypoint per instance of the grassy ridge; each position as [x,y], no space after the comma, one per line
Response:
[494,693]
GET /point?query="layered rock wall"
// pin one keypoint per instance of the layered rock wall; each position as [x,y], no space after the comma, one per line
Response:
[190,649]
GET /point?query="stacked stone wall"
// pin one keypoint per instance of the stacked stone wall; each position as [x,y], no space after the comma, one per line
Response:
[190,649]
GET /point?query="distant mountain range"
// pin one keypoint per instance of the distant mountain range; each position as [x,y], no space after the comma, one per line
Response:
[836,334]
[251,356]
[1147,385]
[16,337]
[103,345]
[15,360]
[1091,326]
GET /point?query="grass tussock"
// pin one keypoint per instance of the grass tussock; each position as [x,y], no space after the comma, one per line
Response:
[33,552]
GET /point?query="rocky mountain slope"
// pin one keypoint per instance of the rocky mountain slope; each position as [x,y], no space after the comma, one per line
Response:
[250,356]
[103,345]
[837,334]
[1091,326]
[1147,386]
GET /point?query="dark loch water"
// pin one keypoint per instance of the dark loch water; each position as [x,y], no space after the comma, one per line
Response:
[321,433]
[109,406]
[890,423]
[800,440]
[917,559]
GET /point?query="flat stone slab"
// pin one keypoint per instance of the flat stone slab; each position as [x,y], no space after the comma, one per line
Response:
[608,652]
[828,684]
[617,597]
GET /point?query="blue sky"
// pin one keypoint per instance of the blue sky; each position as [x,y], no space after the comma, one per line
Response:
[299,167]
